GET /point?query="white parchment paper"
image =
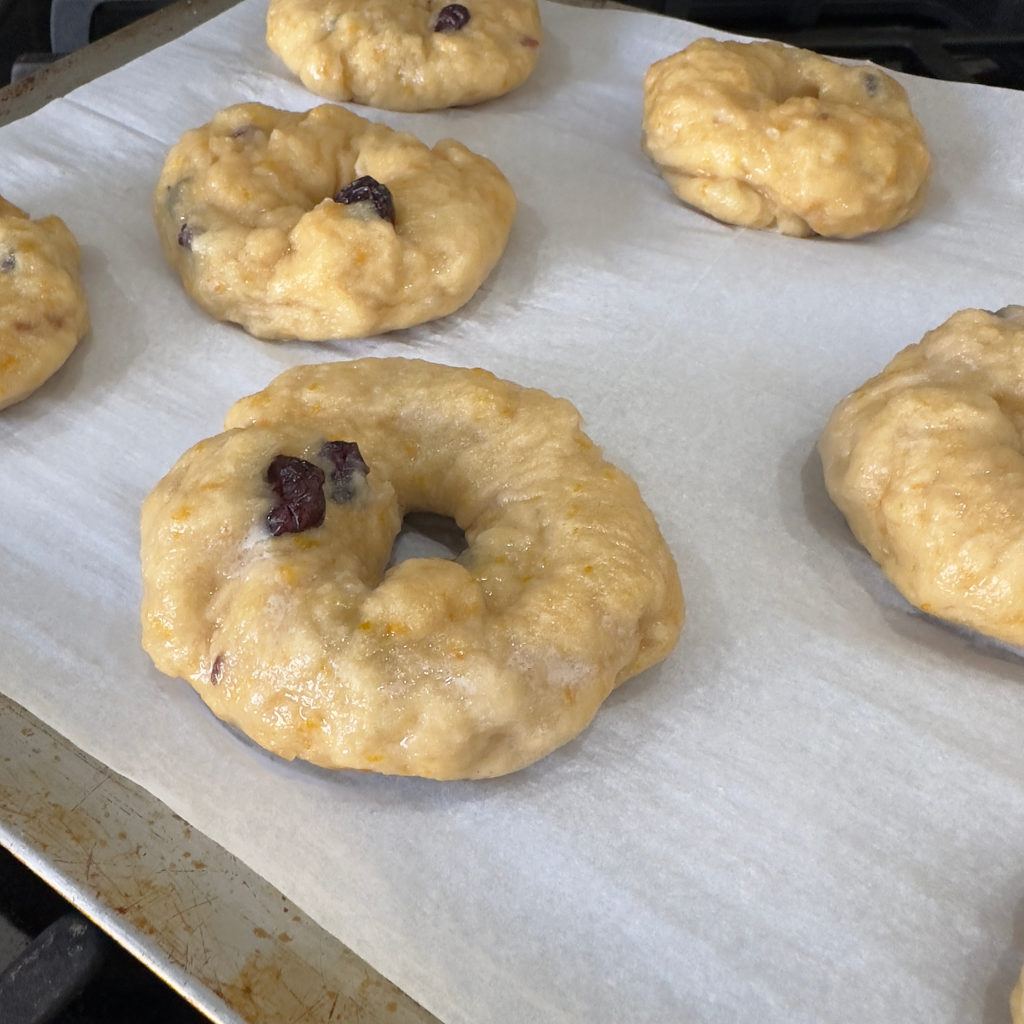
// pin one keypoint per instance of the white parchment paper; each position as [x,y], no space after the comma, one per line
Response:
[812,812]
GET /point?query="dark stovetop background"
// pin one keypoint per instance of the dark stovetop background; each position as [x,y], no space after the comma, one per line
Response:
[960,40]
[117,988]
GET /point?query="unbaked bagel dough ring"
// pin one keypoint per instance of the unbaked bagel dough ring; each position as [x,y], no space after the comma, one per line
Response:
[926,461]
[400,55]
[445,669]
[321,224]
[771,136]
[43,309]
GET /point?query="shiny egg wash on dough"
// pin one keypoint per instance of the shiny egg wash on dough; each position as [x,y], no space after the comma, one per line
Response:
[926,461]
[43,309]
[770,136]
[407,55]
[446,669]
[321,224]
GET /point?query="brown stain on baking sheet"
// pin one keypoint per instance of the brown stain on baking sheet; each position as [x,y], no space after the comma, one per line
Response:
[110,863]
[267,980]
[171,894]
[273,982]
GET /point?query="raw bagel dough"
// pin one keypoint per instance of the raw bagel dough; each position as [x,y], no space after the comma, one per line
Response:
[43,311]
[771,136]
[926,462]
[386,53]
[1017,1001]
[445,669]
[246,213]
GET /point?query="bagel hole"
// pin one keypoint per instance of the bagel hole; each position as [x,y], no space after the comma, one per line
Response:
[427,535]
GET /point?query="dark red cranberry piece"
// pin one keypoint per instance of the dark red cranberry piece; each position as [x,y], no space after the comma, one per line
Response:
[348,465]
[367,189]
[451,18]
[185,237]
[300,486]
[8,262]
[216,669]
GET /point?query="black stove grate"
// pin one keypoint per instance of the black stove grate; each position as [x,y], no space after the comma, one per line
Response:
[935,38]
[69,972]
[981,42]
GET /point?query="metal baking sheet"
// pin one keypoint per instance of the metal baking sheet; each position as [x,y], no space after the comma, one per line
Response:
[812,807]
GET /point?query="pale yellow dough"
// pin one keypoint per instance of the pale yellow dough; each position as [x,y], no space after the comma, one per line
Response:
[246,213]
[770,136]
[445,669]
[926,462]
[1017,1001]
[386,53]
[43,310]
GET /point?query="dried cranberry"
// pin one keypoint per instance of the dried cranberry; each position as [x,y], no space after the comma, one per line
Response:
[185,237]
[367,189]
[8,263]
[300,486]
[216,669]
[451,18]
[348,464]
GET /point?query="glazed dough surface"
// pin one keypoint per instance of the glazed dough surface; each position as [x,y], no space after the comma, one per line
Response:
[246,213]
[926,462]
[386,53]
[770,136]
[43,311]
[445,669]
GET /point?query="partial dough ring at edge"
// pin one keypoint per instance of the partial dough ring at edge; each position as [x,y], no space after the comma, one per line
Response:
[1017,1001]
[44,313]
[926,462]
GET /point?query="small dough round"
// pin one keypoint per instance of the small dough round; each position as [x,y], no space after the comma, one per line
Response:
[446,669]
[770,136]
[406,54]
[246,211]
[926,462]
[43,310]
